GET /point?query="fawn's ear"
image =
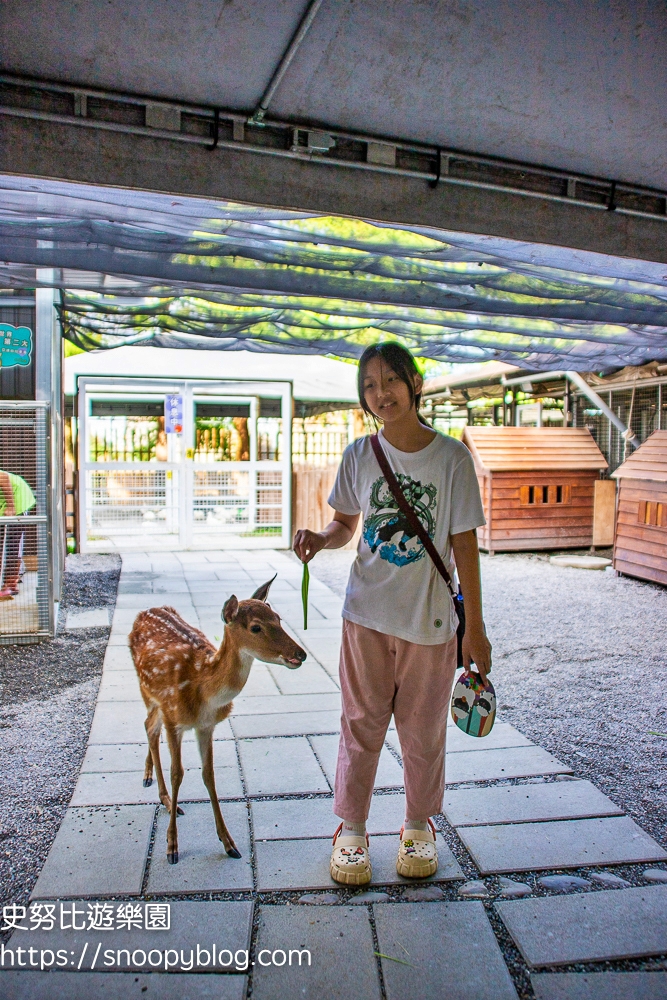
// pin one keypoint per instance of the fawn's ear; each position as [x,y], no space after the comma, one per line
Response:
[262,592]
[230,610]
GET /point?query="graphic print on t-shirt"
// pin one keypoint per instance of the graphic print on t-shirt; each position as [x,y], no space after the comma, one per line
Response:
[386,529]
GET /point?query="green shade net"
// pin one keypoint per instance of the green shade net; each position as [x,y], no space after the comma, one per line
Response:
[141,268]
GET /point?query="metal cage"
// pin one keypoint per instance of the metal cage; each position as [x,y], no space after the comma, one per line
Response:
[643,408]
[26,572]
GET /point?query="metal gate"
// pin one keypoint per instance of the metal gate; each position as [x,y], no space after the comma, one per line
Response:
[27,611]
[184,464]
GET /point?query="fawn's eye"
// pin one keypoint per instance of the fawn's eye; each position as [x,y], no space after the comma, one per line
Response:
[255,628]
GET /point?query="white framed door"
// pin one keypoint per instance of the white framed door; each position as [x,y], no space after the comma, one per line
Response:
[223,480]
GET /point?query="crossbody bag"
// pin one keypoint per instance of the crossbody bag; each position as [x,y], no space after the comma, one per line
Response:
[422,534]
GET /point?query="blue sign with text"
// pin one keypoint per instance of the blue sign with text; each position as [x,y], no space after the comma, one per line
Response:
[173,414]
[15,345]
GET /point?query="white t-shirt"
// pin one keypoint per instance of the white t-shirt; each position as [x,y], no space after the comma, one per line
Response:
[394,587]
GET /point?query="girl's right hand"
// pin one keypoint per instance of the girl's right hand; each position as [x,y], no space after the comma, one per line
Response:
[308,543]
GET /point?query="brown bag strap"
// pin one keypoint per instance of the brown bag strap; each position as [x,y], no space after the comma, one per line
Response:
[410,515]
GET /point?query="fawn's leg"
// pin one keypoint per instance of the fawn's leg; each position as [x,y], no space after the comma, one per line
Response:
[174,738]
[153,727]
[205,740]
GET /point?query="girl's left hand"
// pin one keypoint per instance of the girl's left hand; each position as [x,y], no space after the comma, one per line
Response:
[477,649]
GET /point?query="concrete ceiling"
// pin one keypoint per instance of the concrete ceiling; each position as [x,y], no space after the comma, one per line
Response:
[577,85]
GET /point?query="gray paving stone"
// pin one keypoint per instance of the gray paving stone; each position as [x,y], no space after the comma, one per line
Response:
[227,925]
[126,787]
[304,864]
[389,772]
[281,819]
[26,985]
[280,766]
[99,851]
[309,678]
[502,735]
[290,724]
[118,658]
[655,875]
[125,617]
[141,602]
[203,865]
[117,639]
[282,703]
[567,844]
[123,722]
[106,757]
[600,985]
[260,683]
[619,923]
[513,762]
[91,618]
[340,942]
[223,731]
[119,685]
[467,963]
[118,722]
[550,800]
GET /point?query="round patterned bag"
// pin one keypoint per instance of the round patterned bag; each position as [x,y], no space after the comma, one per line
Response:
[474,704]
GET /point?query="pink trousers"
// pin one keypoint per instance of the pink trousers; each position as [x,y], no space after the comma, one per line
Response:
[381,675]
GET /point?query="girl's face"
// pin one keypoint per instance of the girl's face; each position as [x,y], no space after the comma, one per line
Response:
[387,396]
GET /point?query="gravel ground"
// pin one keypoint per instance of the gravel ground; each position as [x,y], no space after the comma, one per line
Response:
[47,699]
[579,667]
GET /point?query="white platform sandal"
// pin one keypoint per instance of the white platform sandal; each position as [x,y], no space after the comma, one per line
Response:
[417,855]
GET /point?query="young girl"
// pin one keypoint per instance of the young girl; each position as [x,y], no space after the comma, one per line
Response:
[398,651]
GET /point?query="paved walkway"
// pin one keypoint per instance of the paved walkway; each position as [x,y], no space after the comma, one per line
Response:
[471,932]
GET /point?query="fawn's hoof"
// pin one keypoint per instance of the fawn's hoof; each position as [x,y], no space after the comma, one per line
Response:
[148,782]
[179,812]
[233,852]
[172,858]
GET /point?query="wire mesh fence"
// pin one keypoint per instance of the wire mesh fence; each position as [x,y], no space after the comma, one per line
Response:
[221,497]
[26,582]
[320,441]
[135,501]
[641,408]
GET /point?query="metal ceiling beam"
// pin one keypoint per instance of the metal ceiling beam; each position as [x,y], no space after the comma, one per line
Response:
[79,134]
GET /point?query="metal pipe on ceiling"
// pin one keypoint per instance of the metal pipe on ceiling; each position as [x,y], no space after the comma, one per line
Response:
[257,117]
[585,388]
[582,385]
[470,162]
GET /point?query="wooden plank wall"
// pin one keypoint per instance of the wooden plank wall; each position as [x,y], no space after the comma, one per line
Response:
[311,485]
[516,526]
[640,549]
[483,536]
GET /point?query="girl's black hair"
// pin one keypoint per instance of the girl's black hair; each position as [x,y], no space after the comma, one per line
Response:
[399,359]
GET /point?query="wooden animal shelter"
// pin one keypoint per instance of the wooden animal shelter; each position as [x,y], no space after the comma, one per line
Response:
[537,486]
[640,545]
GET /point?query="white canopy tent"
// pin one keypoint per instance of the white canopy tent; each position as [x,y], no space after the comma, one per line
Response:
[314,379]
